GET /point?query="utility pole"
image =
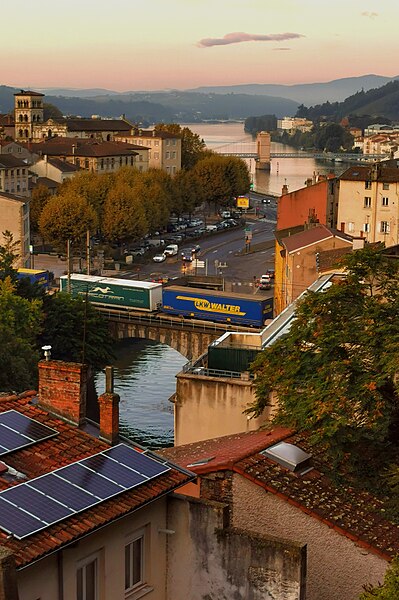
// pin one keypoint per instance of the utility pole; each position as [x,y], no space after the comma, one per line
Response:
[88,252]
[69,266]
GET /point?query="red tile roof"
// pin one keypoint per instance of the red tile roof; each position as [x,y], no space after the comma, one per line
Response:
[70,445]
[355,514]
[313,235]
[383,173]
[63,146]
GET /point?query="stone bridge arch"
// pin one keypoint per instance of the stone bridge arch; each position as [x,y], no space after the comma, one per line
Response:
[190,343]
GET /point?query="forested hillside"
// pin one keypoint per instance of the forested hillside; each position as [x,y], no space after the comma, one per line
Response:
[383,101]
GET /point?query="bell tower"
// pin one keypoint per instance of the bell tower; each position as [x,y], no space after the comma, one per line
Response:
[28,112]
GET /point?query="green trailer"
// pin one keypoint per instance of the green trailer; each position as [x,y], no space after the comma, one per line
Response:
[115,293]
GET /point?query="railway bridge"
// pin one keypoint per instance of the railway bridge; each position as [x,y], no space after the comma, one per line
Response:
[188,336]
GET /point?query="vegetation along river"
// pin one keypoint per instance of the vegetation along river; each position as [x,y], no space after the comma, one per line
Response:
[145,370]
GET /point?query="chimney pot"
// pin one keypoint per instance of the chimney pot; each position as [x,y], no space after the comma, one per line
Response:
[109,417]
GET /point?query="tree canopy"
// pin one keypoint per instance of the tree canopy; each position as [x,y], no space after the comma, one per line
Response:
[335,372]
[389,590]
[66,217]
[192,146]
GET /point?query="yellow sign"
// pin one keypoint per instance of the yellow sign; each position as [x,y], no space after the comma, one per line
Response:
[242,202]
[207,306]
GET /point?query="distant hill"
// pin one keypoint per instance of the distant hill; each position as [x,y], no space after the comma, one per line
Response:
[307,93]
[150,107]
[378,102]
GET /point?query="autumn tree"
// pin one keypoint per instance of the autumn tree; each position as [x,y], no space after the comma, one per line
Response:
[336,371]
[39,199]
[222,178]
[192,146]
[188,192]
[124,216]
[66,217]
[94,187]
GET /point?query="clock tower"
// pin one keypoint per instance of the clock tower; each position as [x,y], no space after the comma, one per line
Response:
[28,112]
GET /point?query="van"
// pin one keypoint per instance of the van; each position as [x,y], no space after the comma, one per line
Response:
[225,214]
[171,250]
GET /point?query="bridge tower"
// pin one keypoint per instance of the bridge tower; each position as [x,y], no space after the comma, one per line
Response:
[263,151]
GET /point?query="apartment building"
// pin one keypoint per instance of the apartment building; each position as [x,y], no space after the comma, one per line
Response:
[92,155]
[164,148]
[14,217]
[368,203]
[13,175]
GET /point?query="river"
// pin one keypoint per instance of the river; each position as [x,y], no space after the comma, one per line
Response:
[145,370]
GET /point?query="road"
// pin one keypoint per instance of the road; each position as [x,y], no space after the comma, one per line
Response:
[225,247]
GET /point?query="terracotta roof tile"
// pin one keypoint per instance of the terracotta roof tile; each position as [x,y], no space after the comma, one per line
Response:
[353,513]
[70,445]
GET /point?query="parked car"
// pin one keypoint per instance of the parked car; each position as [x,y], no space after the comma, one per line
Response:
[137,251]
[195,223]
[211,228]
[159,257]
[265,282]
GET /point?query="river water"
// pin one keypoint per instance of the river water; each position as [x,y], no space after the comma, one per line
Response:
[144,370]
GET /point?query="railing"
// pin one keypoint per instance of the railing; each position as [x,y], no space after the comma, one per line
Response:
[205,372]
[168,322]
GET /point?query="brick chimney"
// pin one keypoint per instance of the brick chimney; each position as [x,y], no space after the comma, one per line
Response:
[109,410]
[284,189]
[63,389]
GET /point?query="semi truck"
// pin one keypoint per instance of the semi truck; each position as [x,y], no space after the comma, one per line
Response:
[211,305]
[115,293]
[35,276]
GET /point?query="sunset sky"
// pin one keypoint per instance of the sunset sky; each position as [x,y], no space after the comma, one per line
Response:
[158,44]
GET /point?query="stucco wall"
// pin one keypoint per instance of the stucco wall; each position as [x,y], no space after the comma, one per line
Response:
[337,568]
[40,580]
[207,561]
[293,209]
[208,407]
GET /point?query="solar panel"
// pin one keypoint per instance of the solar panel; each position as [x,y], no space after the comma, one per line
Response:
[18,431]
[34,505]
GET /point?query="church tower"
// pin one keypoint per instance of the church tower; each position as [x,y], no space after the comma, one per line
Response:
[28,112]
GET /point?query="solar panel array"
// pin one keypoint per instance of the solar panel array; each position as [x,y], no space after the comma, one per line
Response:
[18,431]
[36,504]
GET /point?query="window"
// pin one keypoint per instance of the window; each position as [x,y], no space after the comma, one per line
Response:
[351,227]
[134,563]
[366,227]
[384,227]
[385,186]
[167,155]
[156,142]
[156,155]
[87,579]
[385,201]
[367,185]
[367,201]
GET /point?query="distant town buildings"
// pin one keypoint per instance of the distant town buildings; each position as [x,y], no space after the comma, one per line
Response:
[292,124]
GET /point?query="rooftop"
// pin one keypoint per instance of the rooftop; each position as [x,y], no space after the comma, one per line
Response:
[313,235]
[68,446]
[64,146]
[353,513]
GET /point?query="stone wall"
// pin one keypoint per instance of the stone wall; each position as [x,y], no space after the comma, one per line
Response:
[207,560]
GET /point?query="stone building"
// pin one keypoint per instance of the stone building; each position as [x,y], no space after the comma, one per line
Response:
[29,113]
[275,482]
[13,175]
[164,148]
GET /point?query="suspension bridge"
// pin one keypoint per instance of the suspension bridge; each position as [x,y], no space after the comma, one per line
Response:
[254,150]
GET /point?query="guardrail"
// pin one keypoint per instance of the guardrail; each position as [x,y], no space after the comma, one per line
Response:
[165,321]
[204,372]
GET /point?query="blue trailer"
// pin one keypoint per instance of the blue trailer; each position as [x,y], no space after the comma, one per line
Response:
[35,276]
[210,305]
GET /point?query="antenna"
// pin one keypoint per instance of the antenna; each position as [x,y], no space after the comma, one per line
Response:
[47,352]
